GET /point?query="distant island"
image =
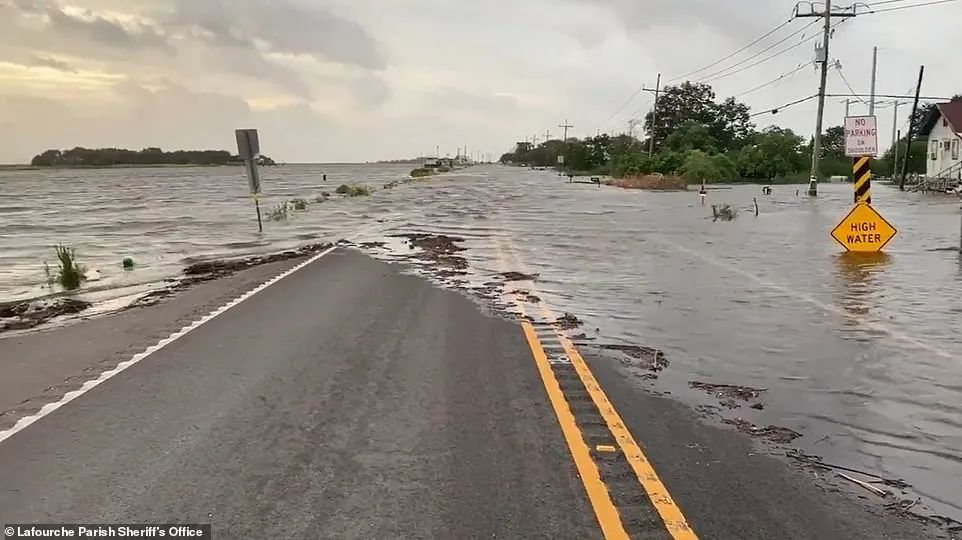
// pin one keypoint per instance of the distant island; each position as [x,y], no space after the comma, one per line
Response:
[109,157]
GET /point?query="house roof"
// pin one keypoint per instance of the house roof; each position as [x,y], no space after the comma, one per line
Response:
[952,111]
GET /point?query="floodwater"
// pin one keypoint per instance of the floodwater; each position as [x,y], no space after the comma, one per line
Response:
[861,355]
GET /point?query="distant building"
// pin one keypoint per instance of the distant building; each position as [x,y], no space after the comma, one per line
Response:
[944,131]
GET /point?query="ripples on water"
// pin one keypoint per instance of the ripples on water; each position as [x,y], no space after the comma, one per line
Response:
[860,354]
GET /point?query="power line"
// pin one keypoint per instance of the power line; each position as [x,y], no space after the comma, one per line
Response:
[773,81]
[746,47]
[838,67]
[756,55]
[896,8]
[870,4]
[776,110]
[623,105]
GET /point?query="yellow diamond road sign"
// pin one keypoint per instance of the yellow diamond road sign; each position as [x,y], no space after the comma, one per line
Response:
[864,230]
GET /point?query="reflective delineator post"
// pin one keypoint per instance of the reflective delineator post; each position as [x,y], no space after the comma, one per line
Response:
[862,179]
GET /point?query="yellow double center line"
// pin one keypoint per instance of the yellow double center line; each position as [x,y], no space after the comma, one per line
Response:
[605,510]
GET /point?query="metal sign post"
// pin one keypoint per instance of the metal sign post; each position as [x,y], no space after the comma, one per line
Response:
[249,149]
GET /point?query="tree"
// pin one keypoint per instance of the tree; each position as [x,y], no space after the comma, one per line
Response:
[833,142]
[728,122]
[734,126]
[687,102]
[702,167]
[692,136]
[772,153]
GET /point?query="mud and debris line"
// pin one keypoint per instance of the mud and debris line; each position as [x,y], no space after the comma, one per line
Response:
[568,322]
[518,276]
[729,394]
[33,313]
[526,296]
[775,434]
[648,358]
[439,249]
[210,270]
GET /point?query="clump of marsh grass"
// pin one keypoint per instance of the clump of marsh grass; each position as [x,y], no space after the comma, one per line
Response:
[70,274]
[353,191]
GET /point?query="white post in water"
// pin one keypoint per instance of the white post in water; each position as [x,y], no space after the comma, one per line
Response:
[249,149]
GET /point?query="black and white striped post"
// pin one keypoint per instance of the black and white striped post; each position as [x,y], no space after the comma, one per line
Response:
[862,179]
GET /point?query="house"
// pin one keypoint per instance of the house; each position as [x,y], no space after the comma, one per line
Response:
[944,131]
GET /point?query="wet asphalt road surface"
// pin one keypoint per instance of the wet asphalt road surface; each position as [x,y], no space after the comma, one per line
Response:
[350,401]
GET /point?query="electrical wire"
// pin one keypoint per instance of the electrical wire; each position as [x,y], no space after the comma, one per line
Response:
[746,47]
[756,55]
[838,68]
[773,81]
[870,4]
[777,110]
[896,8]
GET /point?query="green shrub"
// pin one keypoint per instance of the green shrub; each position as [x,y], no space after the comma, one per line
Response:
[353,191]
[70,274]
[421,172]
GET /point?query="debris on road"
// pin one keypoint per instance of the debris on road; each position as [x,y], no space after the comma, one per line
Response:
[727,393]
[526,296]
[866,485]
[776,434]
[437,248]
[518,276]
[568,322]
[28,314]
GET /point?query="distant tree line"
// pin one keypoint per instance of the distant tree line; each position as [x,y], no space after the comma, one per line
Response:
[703,139]
[105,157]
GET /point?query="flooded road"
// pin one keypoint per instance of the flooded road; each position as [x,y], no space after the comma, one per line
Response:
[860,355]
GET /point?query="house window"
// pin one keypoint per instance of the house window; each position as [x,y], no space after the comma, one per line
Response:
[945,122]
[934,150]
[955,149]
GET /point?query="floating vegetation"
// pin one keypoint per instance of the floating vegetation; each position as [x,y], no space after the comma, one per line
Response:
[723,212]
[70,273]
[353,190]
[278,213]
[421,172]
[299,204]
[128,263]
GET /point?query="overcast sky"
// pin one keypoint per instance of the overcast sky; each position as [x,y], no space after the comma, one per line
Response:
[357,80]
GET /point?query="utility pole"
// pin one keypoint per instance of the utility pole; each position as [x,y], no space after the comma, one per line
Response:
[565,126]
[847,103]
[564,140]
[823,58]
[871,103]
[654,116]
[547,135]
[908,146]
[895,161]
[895,122]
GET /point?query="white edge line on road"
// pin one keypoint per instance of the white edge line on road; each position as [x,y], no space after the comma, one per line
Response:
[26,421]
